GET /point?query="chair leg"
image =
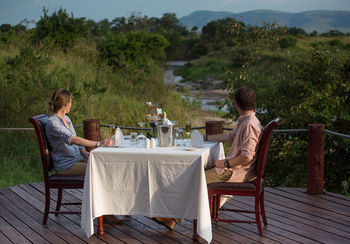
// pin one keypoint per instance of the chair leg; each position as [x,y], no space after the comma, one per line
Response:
[217,206]
[59,200]
[262,208]
[47,205]
[257,214]
[211,199]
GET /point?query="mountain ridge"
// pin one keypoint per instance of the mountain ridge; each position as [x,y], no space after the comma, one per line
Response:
[315,20]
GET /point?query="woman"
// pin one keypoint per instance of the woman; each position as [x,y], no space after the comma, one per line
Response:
[67,149]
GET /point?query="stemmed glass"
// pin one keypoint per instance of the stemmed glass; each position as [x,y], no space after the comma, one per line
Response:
[188,129]
[180,136]
[141,139]
[153,112]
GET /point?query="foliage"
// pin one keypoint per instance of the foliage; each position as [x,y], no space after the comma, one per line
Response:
[288,41]
[216,34]
[137,47]
[59,28]
[27,82]
[19,158]
[303,83]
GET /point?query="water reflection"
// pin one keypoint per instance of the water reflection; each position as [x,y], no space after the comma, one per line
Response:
[206,104]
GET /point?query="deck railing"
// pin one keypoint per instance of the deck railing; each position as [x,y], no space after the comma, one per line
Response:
[315,149]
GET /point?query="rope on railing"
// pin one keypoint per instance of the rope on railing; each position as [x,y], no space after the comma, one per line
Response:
[193,128]
[337,134]
[289,130]
[10,129]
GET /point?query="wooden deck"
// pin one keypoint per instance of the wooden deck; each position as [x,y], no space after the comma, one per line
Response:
[293,217]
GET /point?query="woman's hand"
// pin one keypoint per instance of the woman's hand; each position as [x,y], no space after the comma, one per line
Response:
[85,153]
[107,142]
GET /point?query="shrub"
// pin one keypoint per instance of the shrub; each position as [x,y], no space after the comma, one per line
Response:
[137,47]
[59,28]
[288,41]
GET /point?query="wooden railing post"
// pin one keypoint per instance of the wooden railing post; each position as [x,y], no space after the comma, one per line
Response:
[315,159]
[213,127]
[92,130]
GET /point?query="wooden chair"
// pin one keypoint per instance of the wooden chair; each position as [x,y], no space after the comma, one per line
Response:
[253,189]
[53,181]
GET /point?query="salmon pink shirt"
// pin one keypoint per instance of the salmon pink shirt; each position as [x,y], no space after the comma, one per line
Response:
[245,138]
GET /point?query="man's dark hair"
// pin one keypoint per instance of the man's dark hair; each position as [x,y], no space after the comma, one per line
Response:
[245,98]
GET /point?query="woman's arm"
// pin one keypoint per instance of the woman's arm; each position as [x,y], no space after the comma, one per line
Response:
[88,143]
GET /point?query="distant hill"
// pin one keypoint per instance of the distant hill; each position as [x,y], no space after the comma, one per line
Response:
[320,21]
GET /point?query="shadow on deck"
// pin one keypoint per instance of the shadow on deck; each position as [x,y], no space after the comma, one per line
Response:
[293,217]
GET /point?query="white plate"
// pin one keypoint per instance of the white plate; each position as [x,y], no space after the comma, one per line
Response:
[192,149]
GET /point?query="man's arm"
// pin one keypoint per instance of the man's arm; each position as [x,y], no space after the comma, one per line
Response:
[226,137]
[239,160]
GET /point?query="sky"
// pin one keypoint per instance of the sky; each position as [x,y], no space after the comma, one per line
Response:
[14,11]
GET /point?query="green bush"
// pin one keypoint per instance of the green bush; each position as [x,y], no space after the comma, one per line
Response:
[335,43]
[136,47]
[59,29]
[288,41]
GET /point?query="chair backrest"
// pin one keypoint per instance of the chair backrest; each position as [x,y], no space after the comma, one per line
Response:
[264,150]
[39,123]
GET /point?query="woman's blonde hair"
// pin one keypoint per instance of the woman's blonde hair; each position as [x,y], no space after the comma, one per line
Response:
[59,98]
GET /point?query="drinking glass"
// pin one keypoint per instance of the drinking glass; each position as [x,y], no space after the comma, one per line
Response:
[188,129]
[141,139]
[112,130]
[133,138]
[180,136]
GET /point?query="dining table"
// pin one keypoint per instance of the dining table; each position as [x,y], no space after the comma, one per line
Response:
[152,182]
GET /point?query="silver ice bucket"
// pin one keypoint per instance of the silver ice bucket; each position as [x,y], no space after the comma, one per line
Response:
[166,135]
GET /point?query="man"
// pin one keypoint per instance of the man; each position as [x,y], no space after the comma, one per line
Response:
[239,164]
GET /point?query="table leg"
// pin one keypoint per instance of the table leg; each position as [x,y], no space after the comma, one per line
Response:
[100,230]
[195,236]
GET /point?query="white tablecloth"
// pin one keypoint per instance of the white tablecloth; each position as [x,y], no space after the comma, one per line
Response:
[160,182]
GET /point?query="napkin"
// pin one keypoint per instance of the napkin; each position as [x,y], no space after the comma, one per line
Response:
[167,122]
[196,139]
[118,137]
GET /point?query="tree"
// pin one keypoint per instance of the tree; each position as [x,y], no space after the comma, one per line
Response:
[136,47]
[217,34]
[59,28]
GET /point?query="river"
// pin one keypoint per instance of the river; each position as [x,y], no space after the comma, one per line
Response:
[207,104]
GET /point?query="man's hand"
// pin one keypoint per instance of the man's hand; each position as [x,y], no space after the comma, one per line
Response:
[220,163]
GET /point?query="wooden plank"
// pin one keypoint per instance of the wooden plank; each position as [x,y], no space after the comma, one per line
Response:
[38,215]
[155,231]
[299,211]
[112,230]
[321,201]
[314,201]
[68,221]
[3,239]
[332,197]
[22,228]
[11,233]
[309,219]
[75,218]
[250,232]
[29,221]
[303,206]
[300,227]
[338,196]
[69,231]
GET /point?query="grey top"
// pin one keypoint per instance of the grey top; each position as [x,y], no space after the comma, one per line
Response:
[63,154]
